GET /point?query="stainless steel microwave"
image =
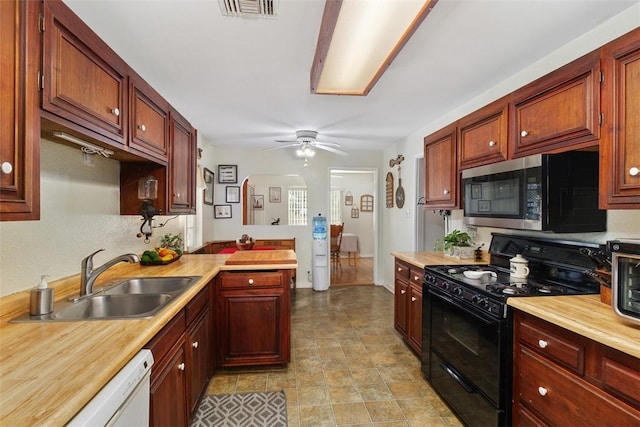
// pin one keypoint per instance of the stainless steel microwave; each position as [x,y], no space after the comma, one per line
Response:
[625,278]
[544,192]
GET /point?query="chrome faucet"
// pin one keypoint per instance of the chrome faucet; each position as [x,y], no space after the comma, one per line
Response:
[88,275]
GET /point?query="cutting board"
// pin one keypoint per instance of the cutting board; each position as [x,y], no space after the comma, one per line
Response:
[262,257]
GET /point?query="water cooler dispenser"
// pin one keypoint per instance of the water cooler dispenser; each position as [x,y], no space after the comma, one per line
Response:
[320,254]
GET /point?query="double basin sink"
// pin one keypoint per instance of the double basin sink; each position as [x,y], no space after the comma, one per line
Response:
[129,298]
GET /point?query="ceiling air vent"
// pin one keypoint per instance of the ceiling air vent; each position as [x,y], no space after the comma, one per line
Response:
[249,8]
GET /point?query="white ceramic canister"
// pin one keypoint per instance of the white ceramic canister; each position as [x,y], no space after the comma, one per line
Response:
[519,267]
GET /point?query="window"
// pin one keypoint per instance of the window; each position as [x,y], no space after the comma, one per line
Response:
[297,206]
[335,207]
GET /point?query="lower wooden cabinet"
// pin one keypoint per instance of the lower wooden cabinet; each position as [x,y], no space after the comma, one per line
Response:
[561,377]
[408,304]
[253,318]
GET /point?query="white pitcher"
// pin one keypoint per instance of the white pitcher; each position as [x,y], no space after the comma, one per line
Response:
[519,267]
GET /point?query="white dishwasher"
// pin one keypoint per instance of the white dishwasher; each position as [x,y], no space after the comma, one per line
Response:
[124,401]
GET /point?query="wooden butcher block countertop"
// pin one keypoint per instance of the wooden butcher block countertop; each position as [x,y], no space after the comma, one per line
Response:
[421,259]
[262,257]
[50,370]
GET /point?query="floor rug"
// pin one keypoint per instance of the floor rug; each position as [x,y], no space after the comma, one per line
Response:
[242,410]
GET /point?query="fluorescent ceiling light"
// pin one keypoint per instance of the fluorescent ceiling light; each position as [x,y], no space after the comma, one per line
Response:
[359,39]
[85,146]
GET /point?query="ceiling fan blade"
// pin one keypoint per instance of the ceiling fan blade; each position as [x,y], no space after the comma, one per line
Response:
[287,140]
[326,143]
[331,149]
[280,147]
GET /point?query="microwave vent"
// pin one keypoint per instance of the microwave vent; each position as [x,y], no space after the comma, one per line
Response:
[249,8]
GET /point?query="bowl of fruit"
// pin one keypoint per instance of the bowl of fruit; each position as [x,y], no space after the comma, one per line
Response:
[160,256]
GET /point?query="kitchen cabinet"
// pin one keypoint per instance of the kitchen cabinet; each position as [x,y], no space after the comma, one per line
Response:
[182,166]
[253,317]
[560,375]
[441,171]
[482,135]
[19,144]
[181,370]
[620,141]
[558,112]
[408,303]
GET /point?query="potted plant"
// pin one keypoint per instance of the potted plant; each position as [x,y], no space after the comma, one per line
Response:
[172,241]
[458,239]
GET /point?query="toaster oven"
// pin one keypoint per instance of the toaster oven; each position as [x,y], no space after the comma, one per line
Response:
[625,278]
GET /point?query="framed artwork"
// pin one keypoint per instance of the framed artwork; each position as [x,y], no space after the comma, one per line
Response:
[227,174]
[233,194]
[484,205]
[355,212]
[274,194]
[476,191]
[389,189]
[208,189]
[366,203]
[257,202]
[348,199]
[222,211]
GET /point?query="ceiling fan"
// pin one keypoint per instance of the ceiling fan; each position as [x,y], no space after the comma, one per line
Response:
[307,143]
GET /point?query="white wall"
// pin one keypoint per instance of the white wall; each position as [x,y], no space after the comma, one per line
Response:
[397,226]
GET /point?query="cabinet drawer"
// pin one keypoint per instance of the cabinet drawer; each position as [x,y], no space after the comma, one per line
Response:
[416,276]
[558,345]
[247,280]
[197,304]
[561,396]
[622,380]
[167,337]
[402,270]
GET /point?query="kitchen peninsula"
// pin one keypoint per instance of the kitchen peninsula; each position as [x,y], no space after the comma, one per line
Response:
[50,370]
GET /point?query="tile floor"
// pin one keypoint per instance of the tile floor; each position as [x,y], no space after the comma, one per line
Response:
[349,367]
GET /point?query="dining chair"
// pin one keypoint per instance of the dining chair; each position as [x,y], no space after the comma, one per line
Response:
[336,240]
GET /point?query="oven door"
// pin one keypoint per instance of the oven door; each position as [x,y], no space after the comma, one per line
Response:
[470,361]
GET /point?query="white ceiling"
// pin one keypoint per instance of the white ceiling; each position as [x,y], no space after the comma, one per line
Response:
[246,81]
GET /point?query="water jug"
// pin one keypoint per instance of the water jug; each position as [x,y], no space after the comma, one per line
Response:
[319,227]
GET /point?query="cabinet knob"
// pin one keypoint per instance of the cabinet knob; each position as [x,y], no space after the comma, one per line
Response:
[542,343]
[143,128]
[116,112]
[399,269]
[181,367]
[634,171]
[416,278]
[446,192]
[194,344]
[524,133]
[492,143]
[413,299]
[403,292]
[251,281]
[7,168]
[542,391]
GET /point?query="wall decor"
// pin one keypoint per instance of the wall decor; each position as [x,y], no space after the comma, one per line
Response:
[227,174]
[355,212]
[399,190]
[208,189]
[389,189]
[275,195]
[233,194]
[348,199]
[366,203]
[257,202]
[222,211]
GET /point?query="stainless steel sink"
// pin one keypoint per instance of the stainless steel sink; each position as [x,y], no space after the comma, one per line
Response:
[152,285]
[113,307]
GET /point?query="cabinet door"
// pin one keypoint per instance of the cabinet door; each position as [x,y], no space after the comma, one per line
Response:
[168,389]
[560,111]
[182,166]
[149,125]
[415,317]
[20,143]
[401,310]
[620,142]
[441,186]
[482,136]
[85,82]
[198,344]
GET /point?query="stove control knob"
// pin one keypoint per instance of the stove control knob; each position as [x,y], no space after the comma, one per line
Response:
[458,291]
[478,300]
[446,285]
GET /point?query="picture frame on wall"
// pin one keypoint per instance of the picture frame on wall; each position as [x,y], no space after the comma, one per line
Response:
[257,202]
[222,211]
[233,194]
[275,194]
[227,174]
[207,175]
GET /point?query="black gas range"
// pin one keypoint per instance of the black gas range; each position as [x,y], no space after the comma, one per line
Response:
[467,325]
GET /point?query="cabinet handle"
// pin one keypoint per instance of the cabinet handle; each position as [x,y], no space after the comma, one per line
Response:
[416,278]
[194,344]
[251,281]
[116,112]
[542,391]
[399,269]
[446,192]
[413,299]
[542,343]
[143,128]
[524,133]
[403,291]
[492,143]
[7,168]
[634,171]
[181,367]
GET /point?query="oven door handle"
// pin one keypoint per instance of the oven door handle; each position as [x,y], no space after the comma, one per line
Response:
[457,378]
[460,307]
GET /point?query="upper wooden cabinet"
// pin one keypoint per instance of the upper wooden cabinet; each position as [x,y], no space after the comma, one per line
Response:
[482,135]
[148,119]
[441,172]
[182,166]
[620,142]
[20,142]
[559,111]
[85,82]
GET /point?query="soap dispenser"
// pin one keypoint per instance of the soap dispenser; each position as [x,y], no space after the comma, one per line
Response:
[41,298]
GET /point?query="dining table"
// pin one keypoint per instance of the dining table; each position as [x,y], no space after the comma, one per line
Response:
[351,245]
